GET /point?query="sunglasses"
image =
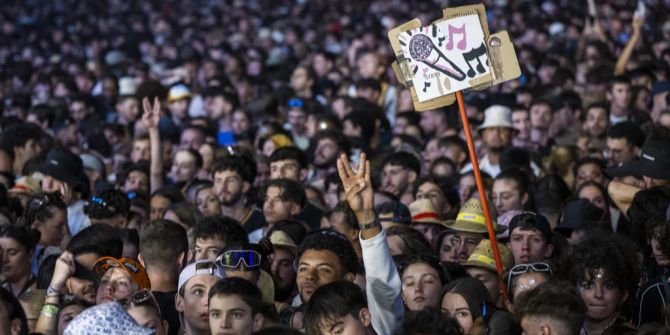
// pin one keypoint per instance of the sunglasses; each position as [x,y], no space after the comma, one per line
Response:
[233,258]
[296,103]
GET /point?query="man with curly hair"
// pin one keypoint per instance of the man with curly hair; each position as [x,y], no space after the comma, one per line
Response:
[651,298]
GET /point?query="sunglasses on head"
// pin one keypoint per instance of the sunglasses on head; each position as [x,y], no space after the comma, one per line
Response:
[101,202]
[295,103]
[233,258]
[140,298]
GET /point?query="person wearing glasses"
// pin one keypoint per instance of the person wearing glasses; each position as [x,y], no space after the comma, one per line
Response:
[524,277]
[235,307]
[144,309]
[466,231]
[191,300]
[244,261]
[530,238]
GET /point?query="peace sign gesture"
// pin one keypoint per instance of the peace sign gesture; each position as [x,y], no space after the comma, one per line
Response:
[357,186]
[151,116]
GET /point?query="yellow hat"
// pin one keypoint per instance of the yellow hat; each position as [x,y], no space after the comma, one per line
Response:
[471,218]
[422,211]
[483,257]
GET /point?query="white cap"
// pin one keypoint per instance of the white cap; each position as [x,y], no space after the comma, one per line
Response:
[497,116]
[203,267]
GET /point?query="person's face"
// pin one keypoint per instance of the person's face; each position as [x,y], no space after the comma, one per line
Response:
[230,315]
[348,325]
[193,303]
[78,110]
[297,119]
[447,252]
[601,296]
[66,315]
[488,278]
[619,151]
[159,205]
[396,245]
[661,258]
[179,108]
[463,244]
[588,172]
[275,208]
[521,121]
[51,184]
[183,167]
[282,269]
[620,95]
[466,186]
[208,248]
[115,284]
[129,109]
[207,202]
[349,129]
[399,126]
[540,116]
[315,269]
[53,230]
[455,306]
[596,121]
[300,80]
[506,196]
[16,260]
[421,287]
[396,179]
[148,317]
[497,138]
[191,138]
[286,168]
[368,66]
[428,122]
[325,153]
[429,230]
[594,196]
[240,123]
[136,181]
[528,246]
[229,187]
[141,151]
[527,281]
[82,288]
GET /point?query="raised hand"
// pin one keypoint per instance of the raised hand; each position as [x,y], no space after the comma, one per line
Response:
[151,115]
[357,186]
[63,270]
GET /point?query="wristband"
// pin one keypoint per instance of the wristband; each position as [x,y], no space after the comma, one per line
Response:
[52,292]
[50,309]
[370,225]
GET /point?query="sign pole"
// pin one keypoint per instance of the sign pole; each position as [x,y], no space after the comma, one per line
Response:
[480,189]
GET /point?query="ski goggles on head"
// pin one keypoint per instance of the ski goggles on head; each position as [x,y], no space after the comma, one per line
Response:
[232,259]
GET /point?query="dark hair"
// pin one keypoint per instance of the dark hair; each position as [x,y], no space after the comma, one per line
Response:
[330,240]
[101,239]
[428,259]
[473,292]
[244,166]
[617,80]
[629,131]
[141,167]
[503,322]
[334,135]
[415,242]
[513,157]
[429,321]
[46,272]
[17,135]
[404,159]
[521,177]
[291,191]
[616,254]
[447,188]
[248,292]
[550,193]
[277,330]
[14,310]
[195,154]
[647,210]
[108,204]
[39,207]
[161,242]
[541,101]
[332,302]
[557,300]
[28,238]
[289,153]
[364,120]
[349,216]
[172,193]
[218,226]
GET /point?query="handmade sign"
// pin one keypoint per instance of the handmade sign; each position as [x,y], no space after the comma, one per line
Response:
[455,53]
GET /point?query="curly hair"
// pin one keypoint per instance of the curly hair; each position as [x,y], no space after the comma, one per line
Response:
[429,321]
[330,240]
[109,203]
[616,254]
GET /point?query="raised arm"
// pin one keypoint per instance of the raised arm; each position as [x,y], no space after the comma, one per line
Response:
[47,323]
[627,52]
[150,118]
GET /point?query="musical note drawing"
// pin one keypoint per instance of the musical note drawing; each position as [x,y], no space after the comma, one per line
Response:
[422,49]
[472,55]
[425,86]
[440,40]
[457,31]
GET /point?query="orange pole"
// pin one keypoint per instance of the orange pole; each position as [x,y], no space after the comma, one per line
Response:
[482,192]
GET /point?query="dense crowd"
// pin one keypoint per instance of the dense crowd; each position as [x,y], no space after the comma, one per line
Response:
[254,167]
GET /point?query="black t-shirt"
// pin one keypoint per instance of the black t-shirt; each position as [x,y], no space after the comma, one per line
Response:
[255,220]
[311,215]
[168,311]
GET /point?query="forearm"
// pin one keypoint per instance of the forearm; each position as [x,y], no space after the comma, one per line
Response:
[365,220]
[47,323]
[156,168]
[622,195]
[627,52]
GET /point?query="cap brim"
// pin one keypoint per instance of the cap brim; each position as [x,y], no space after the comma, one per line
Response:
[628,168]
[50,170]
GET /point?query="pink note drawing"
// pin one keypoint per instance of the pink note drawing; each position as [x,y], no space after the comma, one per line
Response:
[462,44]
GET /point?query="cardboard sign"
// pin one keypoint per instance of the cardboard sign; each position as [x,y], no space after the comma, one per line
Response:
[452,54]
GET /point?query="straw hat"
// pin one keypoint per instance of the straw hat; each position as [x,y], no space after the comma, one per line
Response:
[483,257]
[422,211]
[280,239]
[471,218]
[27,185]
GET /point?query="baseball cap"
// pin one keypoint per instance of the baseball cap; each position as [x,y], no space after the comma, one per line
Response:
[580,213]
[63,165]
[654,162]
[401,213]
[202,267]
[531,220]
[131,266]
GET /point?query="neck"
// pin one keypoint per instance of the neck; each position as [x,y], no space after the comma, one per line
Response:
[17,166]
[18,285]
[407,197]
[593,327]
[618,111]
[190,330]
[236,211]
[161,281]
[494,158]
